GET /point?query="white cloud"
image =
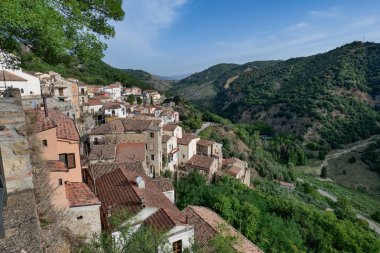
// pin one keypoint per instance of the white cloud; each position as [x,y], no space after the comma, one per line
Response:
[297,26]
[140,30]
[364,22]
[330,13]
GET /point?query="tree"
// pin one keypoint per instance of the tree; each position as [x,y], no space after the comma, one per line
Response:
[131,99]
[54,30]
[324,172]
[144,239]
[139,101]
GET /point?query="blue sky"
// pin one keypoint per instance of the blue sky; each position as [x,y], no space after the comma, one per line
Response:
[170,37]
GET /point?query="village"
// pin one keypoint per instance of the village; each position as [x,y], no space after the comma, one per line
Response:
[112,147]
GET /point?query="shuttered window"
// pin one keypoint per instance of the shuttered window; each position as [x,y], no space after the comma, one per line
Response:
[68,159]
[71,161]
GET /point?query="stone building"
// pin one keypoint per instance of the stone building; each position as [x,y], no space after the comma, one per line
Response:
[148,131]
[187,147]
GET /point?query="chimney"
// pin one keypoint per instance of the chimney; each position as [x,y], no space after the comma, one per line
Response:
[140,182]
[45,107]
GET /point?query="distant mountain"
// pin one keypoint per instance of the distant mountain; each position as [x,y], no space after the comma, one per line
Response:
[173,78]
[203,86]
[97,73]
[332,97]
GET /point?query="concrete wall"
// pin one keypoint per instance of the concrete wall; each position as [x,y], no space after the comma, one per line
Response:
[84,221]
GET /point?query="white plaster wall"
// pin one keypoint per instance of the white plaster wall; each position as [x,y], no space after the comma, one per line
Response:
[186,234]
[170,195]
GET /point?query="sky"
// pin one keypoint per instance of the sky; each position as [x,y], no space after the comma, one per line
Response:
[175,37]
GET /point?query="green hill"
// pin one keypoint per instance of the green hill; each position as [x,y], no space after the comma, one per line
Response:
[95,72]
[331,98]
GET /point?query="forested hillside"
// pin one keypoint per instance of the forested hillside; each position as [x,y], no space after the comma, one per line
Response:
[95,72]
[328,99]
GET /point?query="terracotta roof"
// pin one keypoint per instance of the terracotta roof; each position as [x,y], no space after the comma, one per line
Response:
[165,138]
[186,139]
[234,170]
[205,143]
[164,184]
[207,224]
[99,169]
[160,220]
[169,127]
[112,105]
[80,83]
[114,86]
[126,125]
[119,189]
[100,152]
[66,128]
[78,194]
[132,151]
[93,102]
[8,76]
[57,166]
[201,162]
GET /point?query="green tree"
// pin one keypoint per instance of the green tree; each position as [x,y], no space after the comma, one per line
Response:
[56,29]
[144,239]
[139,101]
[324,172]
[131,99]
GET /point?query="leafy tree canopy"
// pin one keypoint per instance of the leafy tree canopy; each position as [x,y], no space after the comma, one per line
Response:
[56,29]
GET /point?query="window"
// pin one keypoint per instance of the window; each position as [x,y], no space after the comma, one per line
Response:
[152,157]
[151,135]
[44,142]
[96,141]
[177,246]
[22,91]
[113,112]
[68,159]
[82,91]
[80,217]
[151,146]
[183,156]
[31,93]
[146,146]
[60,91]
[60,181]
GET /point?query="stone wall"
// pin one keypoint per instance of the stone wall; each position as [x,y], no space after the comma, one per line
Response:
[64,107]
[21,223]
[84,221]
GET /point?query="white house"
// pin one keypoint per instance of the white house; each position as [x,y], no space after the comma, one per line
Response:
[187,148]
[170,149]
[115,110]
[28,85]
[148,204]
[114,90]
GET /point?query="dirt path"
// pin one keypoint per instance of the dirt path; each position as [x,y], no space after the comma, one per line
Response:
[351,147]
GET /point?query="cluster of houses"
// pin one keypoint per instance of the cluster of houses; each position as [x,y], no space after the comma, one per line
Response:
[120,162]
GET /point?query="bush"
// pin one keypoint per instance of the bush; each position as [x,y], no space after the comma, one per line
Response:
[324,172]
[352,159]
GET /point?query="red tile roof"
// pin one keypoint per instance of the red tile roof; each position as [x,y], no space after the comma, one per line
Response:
[160,220]
[205,143]
[57,166]
[66,128]
[8,76]
[119,189]
[200,162]
[130,152]
[78,194]
[93,102]
[102,152]
[112,105]
[234,170]
[207,224]
[126,125]
[164,184]
[99,169]
[186,139]
[169,127]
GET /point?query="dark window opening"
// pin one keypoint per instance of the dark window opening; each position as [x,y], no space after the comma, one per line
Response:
[177,246]
[68,159]
[44,142]
[80,217]
[60,182]
[152,157]
[151,135]
[22,91]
